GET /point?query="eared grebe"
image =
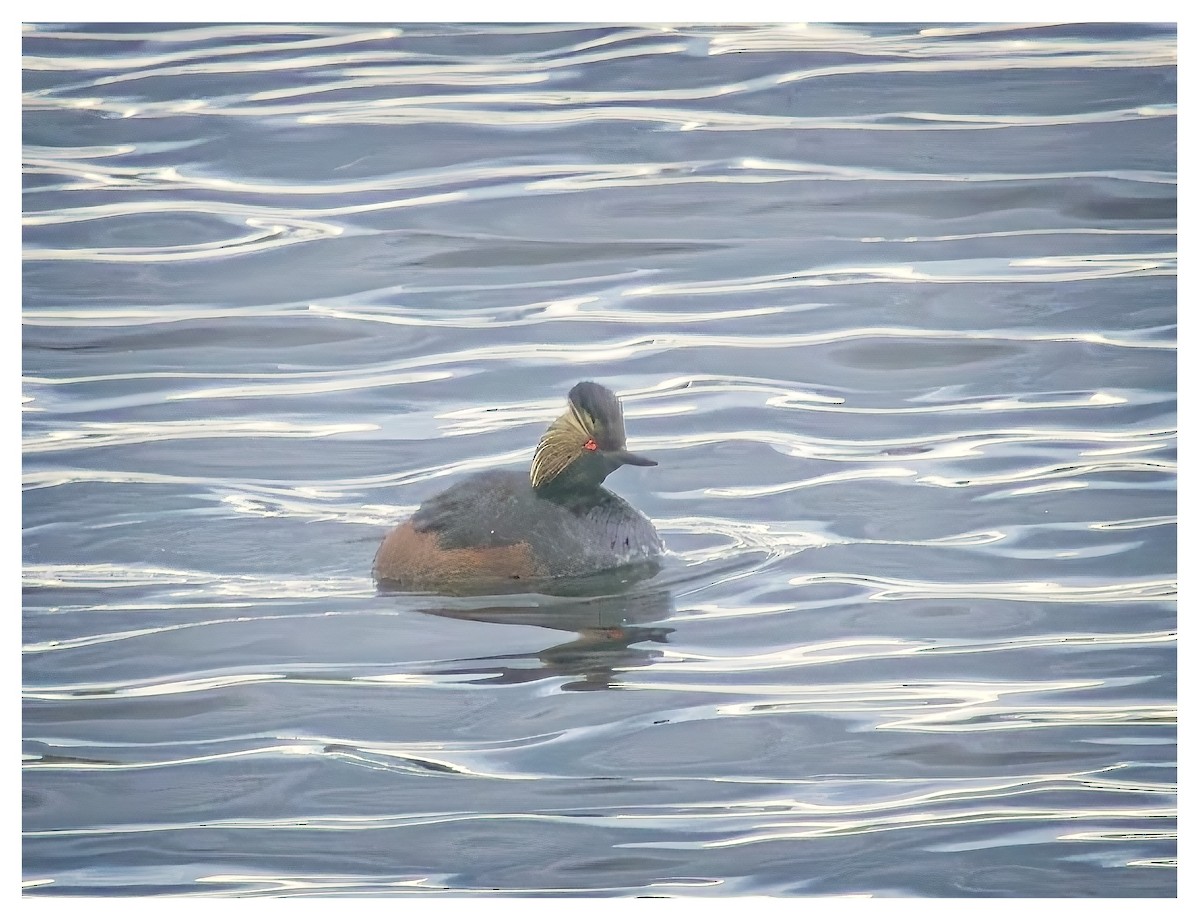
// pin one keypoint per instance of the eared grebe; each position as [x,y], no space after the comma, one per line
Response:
[556,522]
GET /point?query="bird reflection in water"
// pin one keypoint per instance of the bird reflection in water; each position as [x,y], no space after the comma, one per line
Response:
[611,615]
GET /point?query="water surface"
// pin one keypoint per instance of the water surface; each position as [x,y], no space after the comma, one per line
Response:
[893,306]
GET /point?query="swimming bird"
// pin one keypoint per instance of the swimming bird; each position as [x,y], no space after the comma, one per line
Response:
[556,522]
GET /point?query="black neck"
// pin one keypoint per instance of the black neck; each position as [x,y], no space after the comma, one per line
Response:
[572,492]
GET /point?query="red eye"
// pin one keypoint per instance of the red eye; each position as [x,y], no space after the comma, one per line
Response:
[590,444]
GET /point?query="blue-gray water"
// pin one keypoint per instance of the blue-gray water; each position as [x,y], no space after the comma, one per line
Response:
[894,307]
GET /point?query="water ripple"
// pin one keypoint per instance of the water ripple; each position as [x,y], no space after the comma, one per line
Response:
[892,589]
[189,583]
[894,308]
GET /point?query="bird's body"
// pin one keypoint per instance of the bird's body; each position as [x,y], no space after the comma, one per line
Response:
[557,522]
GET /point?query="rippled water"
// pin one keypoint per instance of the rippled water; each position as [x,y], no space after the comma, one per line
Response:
[894,307]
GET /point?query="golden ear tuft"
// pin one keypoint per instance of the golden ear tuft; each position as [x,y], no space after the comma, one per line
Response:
[562,443]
